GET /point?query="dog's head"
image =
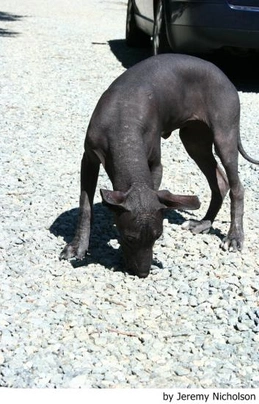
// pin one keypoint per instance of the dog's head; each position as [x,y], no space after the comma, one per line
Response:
[139,219]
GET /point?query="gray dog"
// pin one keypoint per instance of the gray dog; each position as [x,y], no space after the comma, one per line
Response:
[150,100]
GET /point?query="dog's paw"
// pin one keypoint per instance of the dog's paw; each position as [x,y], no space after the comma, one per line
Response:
[232,244]
[197,226]
[72,251]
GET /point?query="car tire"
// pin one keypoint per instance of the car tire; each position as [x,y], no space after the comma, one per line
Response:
[134,36]
[159,41]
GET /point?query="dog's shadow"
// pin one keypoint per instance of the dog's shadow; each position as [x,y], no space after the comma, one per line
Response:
[103,245]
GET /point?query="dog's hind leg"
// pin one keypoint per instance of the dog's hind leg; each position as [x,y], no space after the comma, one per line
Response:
[228,154]
[197,139]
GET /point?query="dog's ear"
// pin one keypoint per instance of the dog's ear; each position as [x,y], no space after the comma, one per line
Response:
[180,202]
[115,200]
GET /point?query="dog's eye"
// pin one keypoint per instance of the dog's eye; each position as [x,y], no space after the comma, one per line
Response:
[130,239]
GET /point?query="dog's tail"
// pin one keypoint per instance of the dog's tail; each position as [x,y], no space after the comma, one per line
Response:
[244,153]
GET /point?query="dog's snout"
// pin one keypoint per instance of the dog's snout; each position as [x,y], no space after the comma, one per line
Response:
[142,274]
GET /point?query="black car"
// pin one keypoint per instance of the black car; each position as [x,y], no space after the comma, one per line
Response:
[193,26]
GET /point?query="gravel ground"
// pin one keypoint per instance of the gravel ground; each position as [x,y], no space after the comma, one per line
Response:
[194,322]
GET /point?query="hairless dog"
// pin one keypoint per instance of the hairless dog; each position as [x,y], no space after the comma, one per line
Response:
[147,102]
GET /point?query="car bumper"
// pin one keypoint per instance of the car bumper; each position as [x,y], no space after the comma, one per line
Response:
[206,25]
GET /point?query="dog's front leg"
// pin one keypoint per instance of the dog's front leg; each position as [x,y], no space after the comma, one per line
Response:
[89,173]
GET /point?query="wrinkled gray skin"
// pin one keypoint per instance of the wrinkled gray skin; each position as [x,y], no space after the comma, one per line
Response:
[148,101]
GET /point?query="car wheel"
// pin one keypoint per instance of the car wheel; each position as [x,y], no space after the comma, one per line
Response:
[134,36]
[160,41]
